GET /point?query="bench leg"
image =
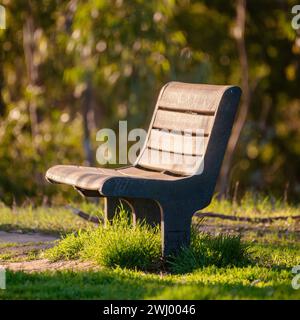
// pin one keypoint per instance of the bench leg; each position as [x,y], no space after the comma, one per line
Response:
[111,207]
[142,209]
[175,220]
[175,228]
[145,210]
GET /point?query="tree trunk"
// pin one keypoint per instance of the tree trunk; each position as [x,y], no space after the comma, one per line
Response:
[88,122]
[32,70]
[239,35]
[2,103]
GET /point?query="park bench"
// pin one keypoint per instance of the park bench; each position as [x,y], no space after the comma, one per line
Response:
[167,193]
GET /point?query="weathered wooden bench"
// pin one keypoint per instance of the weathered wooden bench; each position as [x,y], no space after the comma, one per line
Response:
[167,193]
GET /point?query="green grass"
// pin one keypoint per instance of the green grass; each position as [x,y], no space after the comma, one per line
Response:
[49,220]
[217,266]
[250,282]
[118,245]
[121,244]
[211,250]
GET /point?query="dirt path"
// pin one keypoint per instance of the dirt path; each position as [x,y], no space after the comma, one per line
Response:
[20,252]
[18,237]
[45,265]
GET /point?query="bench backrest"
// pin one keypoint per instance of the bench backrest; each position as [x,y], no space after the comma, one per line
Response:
[182,127]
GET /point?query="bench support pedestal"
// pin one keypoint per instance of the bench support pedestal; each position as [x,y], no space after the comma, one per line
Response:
[175,224]
[142,209]
[175,228]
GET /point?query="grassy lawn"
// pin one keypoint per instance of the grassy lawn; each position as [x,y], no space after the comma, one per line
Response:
[49,220]
[274,248]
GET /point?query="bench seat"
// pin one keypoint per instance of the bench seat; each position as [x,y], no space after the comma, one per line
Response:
[91,178]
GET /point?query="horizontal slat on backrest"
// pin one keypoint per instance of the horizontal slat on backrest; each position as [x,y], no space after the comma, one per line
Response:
[172,120]
[181,107]
[178,143]
[162,160]
[191,97]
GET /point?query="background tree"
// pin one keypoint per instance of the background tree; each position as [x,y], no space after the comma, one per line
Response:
[71,67]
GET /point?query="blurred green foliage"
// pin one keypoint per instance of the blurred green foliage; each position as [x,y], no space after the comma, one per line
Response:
[121,53]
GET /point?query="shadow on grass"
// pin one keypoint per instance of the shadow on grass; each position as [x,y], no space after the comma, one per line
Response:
[129,285]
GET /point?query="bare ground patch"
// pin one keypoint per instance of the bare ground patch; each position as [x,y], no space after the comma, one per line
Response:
[46,265]
[19,237]
[22,252]
[18,247]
